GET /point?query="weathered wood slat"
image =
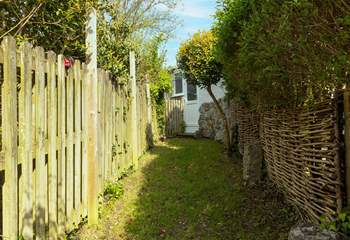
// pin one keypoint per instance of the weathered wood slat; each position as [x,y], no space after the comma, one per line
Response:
[25,141]
[51,143]
[61,173]
[99,138]
[69,148]
[77,140]
[40,167]
[84,138]
[133,111]
[9,139]
[113,123]
[109,128]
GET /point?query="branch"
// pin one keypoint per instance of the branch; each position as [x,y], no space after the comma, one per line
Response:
[29,17]
[224,118]
[25,20]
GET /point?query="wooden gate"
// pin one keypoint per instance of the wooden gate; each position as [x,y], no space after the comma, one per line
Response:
[174,116]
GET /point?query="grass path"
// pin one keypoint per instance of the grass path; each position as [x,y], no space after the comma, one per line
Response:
[187,189]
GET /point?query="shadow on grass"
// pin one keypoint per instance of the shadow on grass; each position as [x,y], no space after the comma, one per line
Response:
[190,190]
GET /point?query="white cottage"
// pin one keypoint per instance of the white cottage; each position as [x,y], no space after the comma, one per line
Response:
[193,97]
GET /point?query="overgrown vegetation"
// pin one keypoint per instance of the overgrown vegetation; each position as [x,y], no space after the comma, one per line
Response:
[152,68]
[188,189]
[283,53]
[123,25]
[56,25]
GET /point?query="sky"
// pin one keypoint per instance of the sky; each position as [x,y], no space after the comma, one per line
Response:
[194,15]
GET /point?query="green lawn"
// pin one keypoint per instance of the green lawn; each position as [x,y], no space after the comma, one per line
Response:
[187,189]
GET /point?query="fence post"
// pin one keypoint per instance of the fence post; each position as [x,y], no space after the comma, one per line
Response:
[133,114]
[91,60]
[347,142]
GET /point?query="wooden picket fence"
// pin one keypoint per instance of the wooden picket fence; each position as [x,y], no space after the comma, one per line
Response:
[174,116]
[43,159]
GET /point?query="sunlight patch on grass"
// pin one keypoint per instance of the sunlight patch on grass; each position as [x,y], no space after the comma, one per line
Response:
[188,189]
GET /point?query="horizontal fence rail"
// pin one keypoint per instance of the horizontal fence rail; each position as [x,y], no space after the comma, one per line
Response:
[43,170]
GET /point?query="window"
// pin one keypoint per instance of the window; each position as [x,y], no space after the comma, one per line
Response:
[178,83]
[191,92]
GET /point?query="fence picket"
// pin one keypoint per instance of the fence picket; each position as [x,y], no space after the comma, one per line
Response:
[84,136]
[61,151]
[113,132]
[100,130]
[69,147]
[9,139]
[25,140]
[77,140]
[40,166]
[52,136]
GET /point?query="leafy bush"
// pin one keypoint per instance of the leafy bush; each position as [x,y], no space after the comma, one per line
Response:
[196,59]
[283,53]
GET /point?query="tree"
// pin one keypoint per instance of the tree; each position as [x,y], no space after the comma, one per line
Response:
[197,61]
[126,25]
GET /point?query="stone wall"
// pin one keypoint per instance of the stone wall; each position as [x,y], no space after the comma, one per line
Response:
[210,122]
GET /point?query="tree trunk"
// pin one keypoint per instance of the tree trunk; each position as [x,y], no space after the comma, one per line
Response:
[224,118]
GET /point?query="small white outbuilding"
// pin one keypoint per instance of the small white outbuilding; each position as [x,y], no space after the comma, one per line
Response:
[193,97]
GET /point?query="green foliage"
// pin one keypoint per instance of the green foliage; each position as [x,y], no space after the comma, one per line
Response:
[283,53]
[123,25]
[152,69]
[131,25]
[55,25]
[341,224]
[158,89]
[113,190]
[197,61]
[21,237]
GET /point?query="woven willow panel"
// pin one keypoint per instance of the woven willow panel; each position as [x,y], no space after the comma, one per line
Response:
[248,130]
[302,155]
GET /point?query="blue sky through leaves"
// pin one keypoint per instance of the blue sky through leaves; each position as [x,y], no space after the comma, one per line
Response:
[194,15]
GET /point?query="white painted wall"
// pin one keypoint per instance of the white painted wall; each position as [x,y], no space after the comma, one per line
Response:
[191,108]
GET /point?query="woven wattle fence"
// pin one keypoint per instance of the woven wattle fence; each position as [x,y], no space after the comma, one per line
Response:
[302,155]
[248,127]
